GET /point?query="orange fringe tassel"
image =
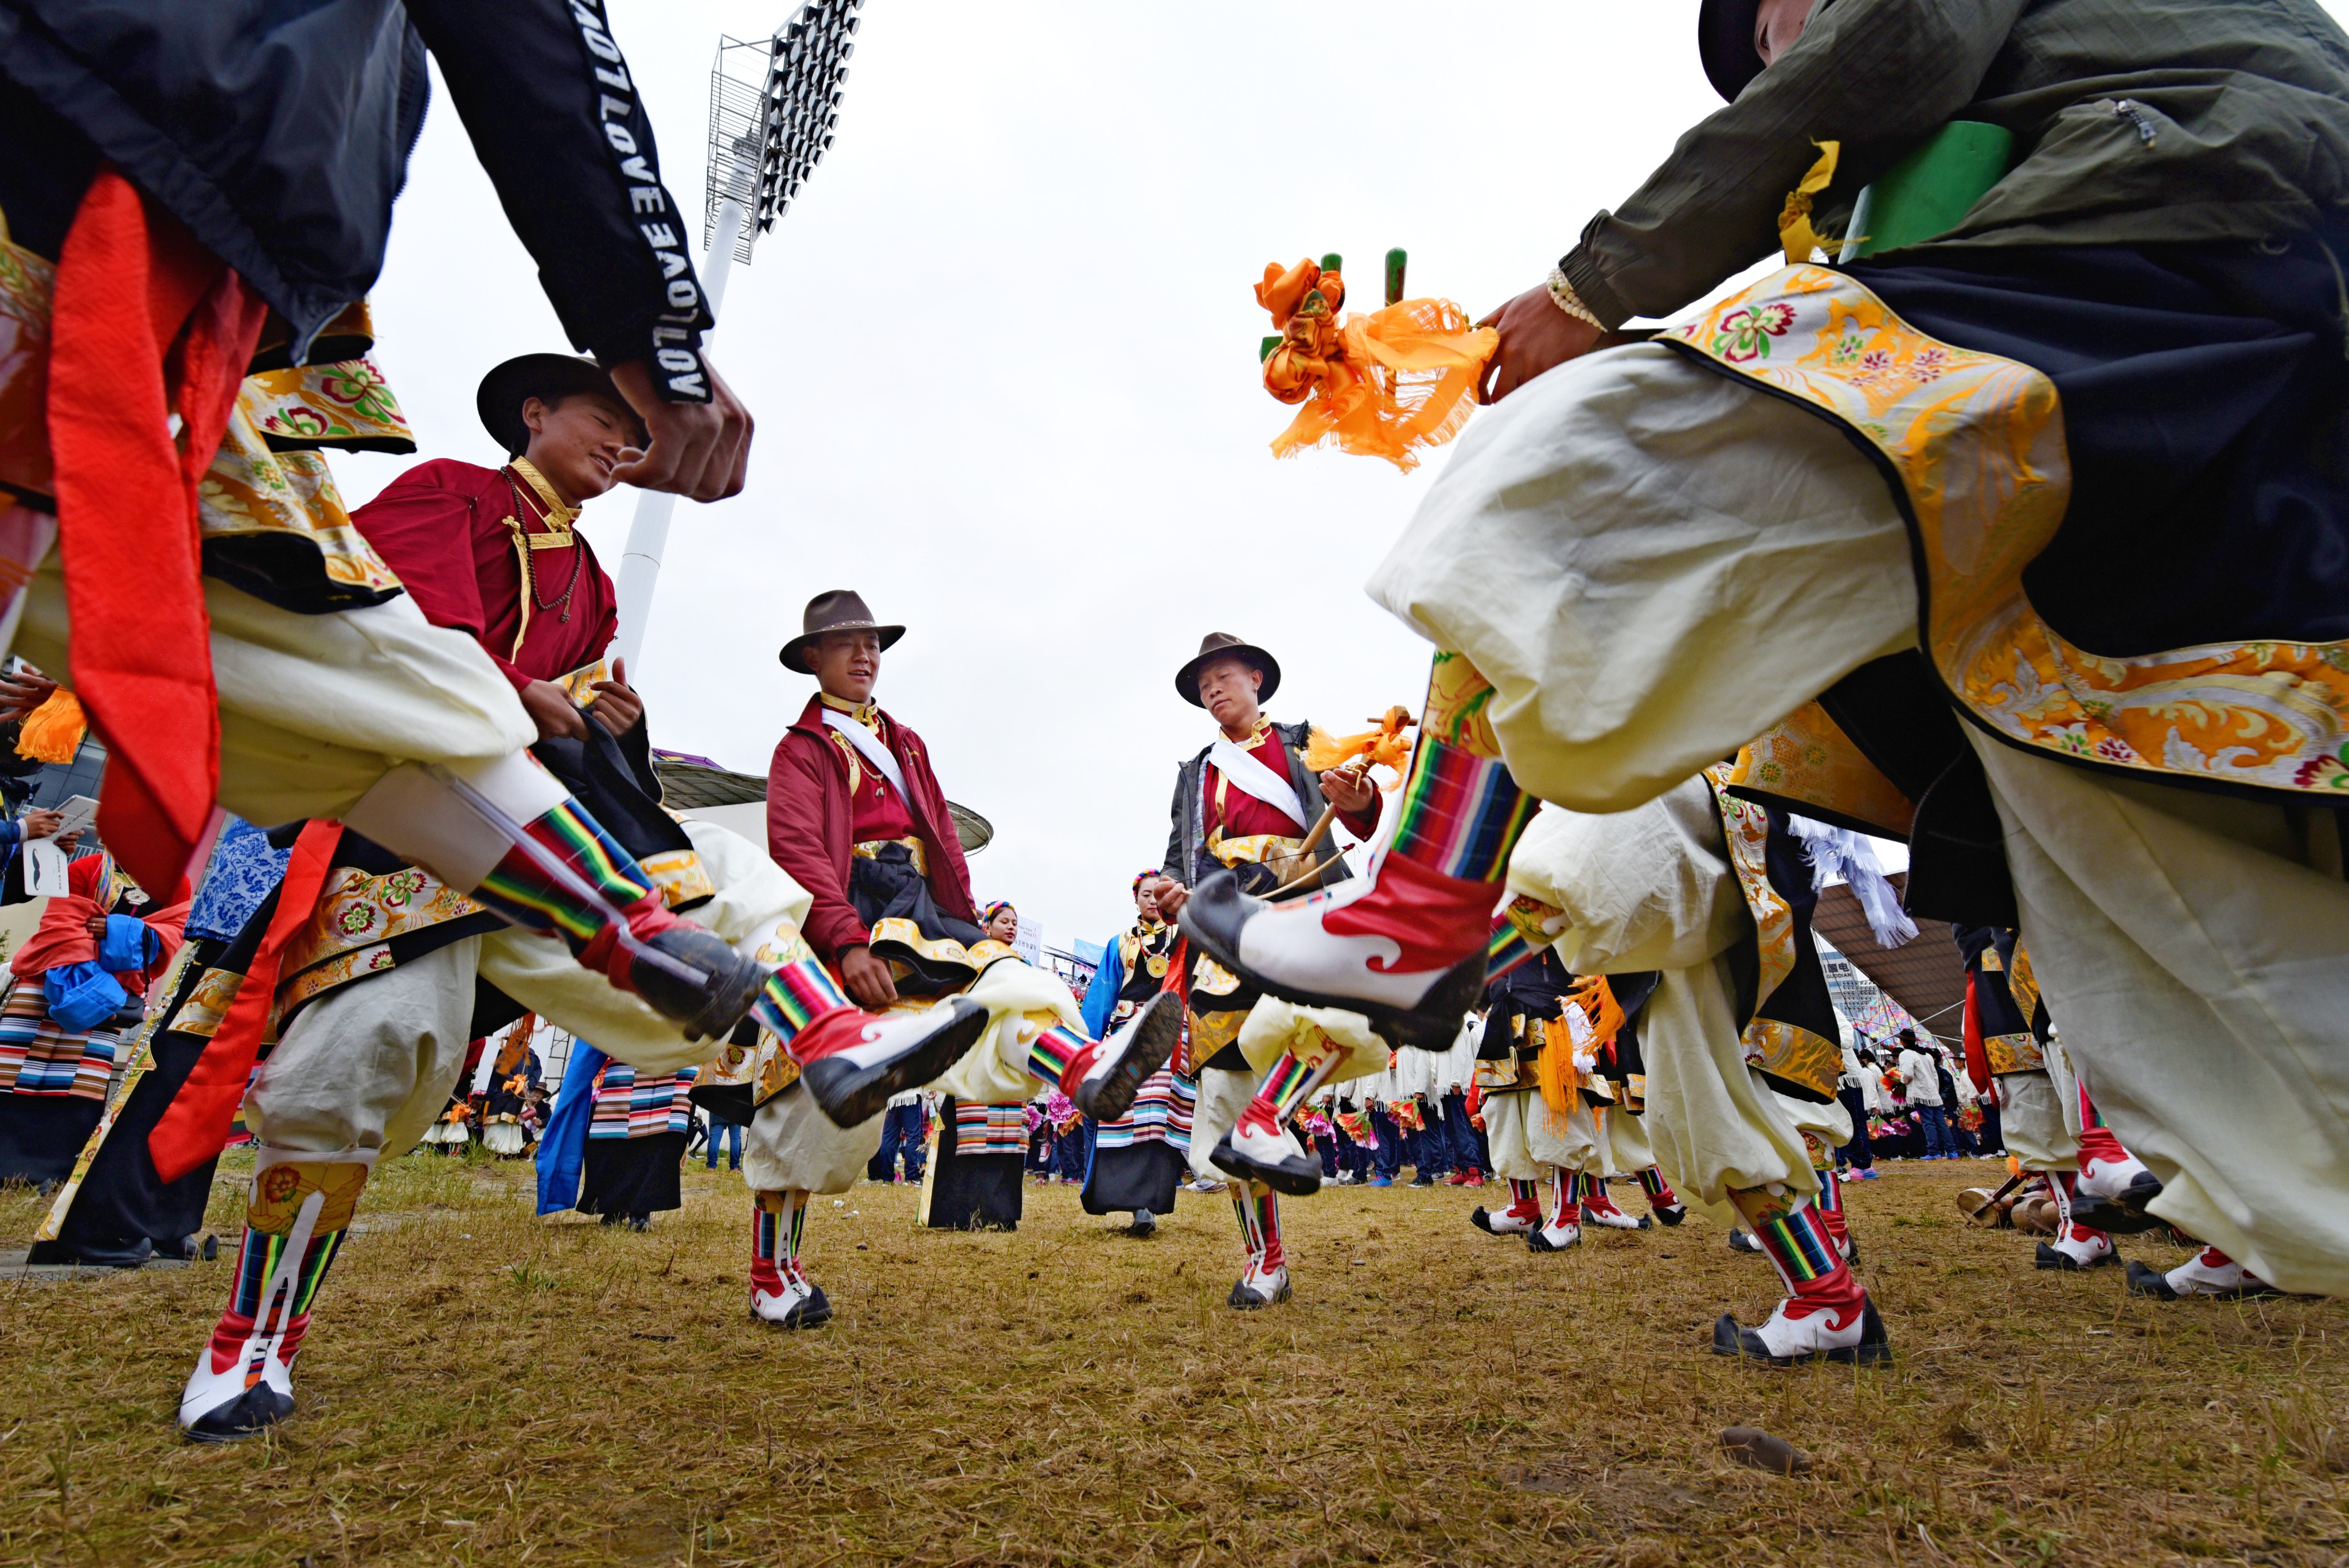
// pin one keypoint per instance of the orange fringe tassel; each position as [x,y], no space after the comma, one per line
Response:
[1382,385]
[53,732]
[1386,746]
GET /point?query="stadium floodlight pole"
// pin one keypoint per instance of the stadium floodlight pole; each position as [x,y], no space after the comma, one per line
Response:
[773,106]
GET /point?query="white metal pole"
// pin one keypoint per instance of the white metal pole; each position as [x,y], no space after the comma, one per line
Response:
[640,562]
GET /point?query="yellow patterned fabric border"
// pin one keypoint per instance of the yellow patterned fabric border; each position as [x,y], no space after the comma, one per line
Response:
[27,282]
[251,488]
[1789,1050]
[1213,978]
[1211,1031]
[1746,827]
[2015,1052]
[895,931]
[1808,761]
[280,1191]
[680,877]
[346,405]
[1255,849]
[358,910]
[1978,443]
[207,1004]
[321,978]
[871,850]
[2023,983]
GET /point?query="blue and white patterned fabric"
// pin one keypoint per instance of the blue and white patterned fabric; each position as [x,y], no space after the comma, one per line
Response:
[240,875]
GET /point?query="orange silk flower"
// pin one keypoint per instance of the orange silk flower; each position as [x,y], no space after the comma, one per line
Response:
[1384,384]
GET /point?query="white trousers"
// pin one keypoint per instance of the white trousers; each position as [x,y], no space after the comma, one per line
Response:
[2194,952]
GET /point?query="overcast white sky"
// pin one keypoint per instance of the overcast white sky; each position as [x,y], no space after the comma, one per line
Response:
[1003,356]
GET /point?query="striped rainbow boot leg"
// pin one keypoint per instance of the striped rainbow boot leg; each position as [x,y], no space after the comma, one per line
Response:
[297,1211]
[1266,1204]
[1520,931]
[568,880]
[796,994]
[1660,1192]
[1794,1235]
[1251,1237]
[1055,1051]
[1461,813]
[1290,1081]
[778,1221]
[1525,1199]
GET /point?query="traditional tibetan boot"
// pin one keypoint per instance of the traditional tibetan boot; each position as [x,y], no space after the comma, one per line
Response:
[781,1292]
[2110,1174]
[1101,1078]
[2209,1272]
[854,1062]
[1826,1316]
[1524,1212]
[297,1211]
[1260,1148]
[1598,1209]
[1264,1279]
[1662,1201]
[1563,1227]
[1406,943]
[2076,1246]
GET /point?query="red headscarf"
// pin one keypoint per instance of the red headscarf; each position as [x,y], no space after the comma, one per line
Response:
[63,936]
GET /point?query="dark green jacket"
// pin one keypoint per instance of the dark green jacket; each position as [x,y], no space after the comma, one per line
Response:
[2136,122]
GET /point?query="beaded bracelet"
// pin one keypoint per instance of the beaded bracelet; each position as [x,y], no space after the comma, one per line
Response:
[1562,294]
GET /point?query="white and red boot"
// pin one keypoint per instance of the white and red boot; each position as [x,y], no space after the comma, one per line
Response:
[1103,1078]
[1404,944]
[1264,1279]
[2209,1272]
[1598,1209]
[1524,1212]
[1662,1201]
[1260,1148]
[2111,1178]
[2076,1246]
[297,1211]
[1826,1315]
[781,1292]
[1563,1227]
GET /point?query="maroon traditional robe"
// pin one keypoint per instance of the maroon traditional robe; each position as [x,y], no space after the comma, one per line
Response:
[442,527]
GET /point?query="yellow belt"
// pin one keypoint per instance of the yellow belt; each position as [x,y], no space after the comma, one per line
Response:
[1259,848]
[872,851]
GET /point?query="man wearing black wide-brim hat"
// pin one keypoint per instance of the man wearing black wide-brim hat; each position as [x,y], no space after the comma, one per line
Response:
[1246,807]
[1874,510]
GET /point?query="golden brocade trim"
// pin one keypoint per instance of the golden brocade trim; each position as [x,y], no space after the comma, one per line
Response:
[555,514]
[358,910]
[1790,1051]
[340,970]
[27,284]
[1255,849]
[207,1004]
[345,404]
[1807,759]
[280,1191]
[1498,1072]
[1746,827]
[579,684]
[1213,978]
[2015,1052]
[1211,1031]
[1989,962]
[251,489]
[2023,983]
[1977,443]
[680,876]
[871,849]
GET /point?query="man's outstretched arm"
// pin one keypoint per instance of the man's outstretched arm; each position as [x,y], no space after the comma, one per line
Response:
[555,118]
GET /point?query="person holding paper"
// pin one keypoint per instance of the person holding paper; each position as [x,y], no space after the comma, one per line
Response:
[1248,803]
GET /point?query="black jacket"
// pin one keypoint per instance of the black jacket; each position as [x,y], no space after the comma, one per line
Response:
[279,132]
[1187,859]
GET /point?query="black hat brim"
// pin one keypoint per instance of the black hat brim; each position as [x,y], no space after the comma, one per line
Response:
[505,389]
[1187,679]
[788,654]
[1724,41]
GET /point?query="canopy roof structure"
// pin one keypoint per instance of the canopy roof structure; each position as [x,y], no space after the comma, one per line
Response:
[1925,976]
[695,784]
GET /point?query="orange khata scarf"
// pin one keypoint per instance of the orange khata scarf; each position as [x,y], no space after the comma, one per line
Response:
[146,322]
[196,1125]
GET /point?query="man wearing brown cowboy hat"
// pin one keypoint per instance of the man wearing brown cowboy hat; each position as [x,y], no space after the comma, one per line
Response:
[856,817]
[1247,805]
[1864,520]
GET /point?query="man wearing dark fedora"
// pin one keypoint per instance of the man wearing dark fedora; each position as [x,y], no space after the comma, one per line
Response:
[1245,805]
[1858,522]
[857,817]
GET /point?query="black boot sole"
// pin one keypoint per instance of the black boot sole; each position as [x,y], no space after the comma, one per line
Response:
[248,1415]
[2113,1218]
[1431,1025]
[2049,1258]
[851,1096]
[2144,1279]
[1154,1034]
[1873,1349]
[1671,1216]
[1242,1299]
[1537,1242]
[705,1011]
[1302,1181]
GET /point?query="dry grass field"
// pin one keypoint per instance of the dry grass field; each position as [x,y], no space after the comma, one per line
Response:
[481,1388]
